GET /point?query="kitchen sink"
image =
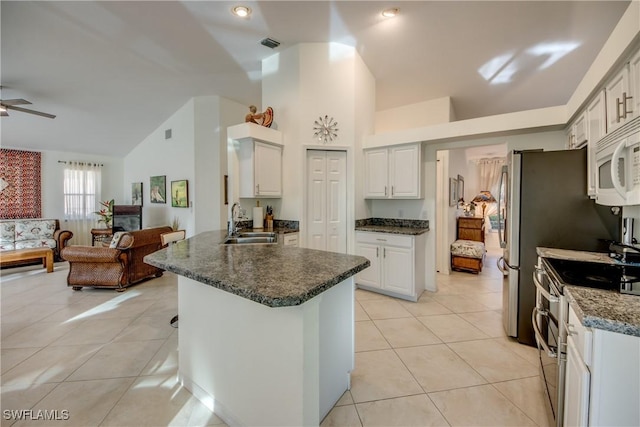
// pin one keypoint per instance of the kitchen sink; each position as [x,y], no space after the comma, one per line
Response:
[251,237]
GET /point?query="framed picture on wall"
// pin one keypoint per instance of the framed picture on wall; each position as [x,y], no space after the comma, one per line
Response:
[453,191]
[158,187]
[460,193]
[180,193]
[136,194]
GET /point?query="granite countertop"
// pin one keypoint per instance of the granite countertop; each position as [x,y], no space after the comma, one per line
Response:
[272,275]
[607,310]
[571,255]
[597,308]
[393,226]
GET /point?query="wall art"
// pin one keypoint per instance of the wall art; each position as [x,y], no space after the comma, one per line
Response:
[158,185]
[180,194]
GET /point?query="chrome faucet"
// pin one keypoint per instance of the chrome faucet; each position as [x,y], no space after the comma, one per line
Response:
[233,224]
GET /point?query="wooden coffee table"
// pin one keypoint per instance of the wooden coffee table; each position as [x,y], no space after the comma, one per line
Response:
[46,254]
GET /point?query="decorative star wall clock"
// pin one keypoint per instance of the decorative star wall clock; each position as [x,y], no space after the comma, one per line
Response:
[325,129]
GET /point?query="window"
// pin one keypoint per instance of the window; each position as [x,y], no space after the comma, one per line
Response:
[81,190]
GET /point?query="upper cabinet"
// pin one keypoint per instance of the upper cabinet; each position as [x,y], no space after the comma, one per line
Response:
[260,167]
[259,154]
[577,132]
[634,69]
[393,172]
[596,119]
[619,99]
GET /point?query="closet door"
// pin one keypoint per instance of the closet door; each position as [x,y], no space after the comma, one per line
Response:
[326,200]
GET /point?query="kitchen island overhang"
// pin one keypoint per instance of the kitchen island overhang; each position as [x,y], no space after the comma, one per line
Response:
[266,332]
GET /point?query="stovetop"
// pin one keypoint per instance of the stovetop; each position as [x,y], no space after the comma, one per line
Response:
[594,275]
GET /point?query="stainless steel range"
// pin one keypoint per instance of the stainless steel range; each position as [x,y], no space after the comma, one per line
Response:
[550,315]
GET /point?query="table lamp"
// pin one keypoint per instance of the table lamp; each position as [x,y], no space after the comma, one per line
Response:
[484,197]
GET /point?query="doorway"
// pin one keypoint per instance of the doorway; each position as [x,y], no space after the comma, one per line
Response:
[327,200]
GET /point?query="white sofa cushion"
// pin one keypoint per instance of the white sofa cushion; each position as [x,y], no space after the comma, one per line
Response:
[35,229]
[7,232]
[35,243]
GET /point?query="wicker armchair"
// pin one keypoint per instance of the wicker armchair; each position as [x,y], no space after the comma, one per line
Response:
[119,267]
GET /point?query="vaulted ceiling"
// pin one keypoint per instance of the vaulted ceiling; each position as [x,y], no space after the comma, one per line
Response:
[113,71]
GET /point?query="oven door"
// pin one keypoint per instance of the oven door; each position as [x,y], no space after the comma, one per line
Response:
[546,325]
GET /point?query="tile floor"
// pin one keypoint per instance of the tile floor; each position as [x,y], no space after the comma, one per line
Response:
[110,359]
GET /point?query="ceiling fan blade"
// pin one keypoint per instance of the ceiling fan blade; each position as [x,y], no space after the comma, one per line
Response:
[37,113]
[14,101]
[3,113]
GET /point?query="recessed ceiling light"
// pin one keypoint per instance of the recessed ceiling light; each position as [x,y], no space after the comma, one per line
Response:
[390,13]
[241,11]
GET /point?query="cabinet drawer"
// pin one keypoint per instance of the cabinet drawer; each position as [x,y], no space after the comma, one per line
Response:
[581,336]
[385,239]
[476,223]
[290,239]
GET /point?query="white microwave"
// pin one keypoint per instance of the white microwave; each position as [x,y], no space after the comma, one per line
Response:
[618,168]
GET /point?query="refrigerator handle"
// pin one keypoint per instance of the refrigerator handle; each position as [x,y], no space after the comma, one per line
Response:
[504,262]
[503,243]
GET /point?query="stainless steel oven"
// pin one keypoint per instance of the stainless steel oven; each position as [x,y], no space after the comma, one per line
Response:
[551,312]
[550,334]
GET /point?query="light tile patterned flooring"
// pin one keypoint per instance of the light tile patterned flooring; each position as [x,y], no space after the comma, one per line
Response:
[111,359]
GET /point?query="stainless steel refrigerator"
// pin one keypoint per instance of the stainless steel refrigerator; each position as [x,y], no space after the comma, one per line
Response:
[543,202]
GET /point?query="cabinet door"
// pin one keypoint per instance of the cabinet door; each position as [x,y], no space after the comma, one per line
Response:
[404,172]
[268,170]
[635,85]
[576,393]
[376,165]
[580,130]
[596,129]
[369,276]
[616,90]
[397,270]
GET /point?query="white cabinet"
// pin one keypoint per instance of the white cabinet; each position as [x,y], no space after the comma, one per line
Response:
[602,383]
[577,132]
[393,173]
[397,264]
[577,380]
[618,96]
[596,130]
[290,239]
[634,66]
[260,167]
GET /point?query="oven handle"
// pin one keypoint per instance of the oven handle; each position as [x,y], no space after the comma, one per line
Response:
[545,293]
[536,329]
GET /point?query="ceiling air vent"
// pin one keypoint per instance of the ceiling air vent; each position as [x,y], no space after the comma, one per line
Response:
[270,43]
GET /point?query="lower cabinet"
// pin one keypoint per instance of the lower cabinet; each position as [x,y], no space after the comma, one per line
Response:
[397,264]
[290,239]
[602,383]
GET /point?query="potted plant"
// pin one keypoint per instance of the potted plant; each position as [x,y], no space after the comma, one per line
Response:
[106,213]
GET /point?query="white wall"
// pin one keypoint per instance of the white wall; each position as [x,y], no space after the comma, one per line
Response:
[416,115]
[196,152]
[52,179]
[308,81]
[174,158]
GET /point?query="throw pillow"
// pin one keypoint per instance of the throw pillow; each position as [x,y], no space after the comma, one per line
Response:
[116,239]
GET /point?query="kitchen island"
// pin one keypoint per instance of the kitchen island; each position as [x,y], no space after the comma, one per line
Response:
[266,331]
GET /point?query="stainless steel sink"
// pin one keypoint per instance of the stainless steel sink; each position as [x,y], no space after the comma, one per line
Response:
[251,237]
[257,234]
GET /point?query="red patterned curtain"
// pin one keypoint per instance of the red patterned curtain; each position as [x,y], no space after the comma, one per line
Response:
[20,186]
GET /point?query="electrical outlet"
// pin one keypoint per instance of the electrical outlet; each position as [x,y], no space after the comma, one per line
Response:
[400,213]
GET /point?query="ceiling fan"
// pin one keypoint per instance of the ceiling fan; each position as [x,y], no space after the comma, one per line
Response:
[10,104]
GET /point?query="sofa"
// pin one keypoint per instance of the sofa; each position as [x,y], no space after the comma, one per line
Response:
[118,266]
[17,234]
